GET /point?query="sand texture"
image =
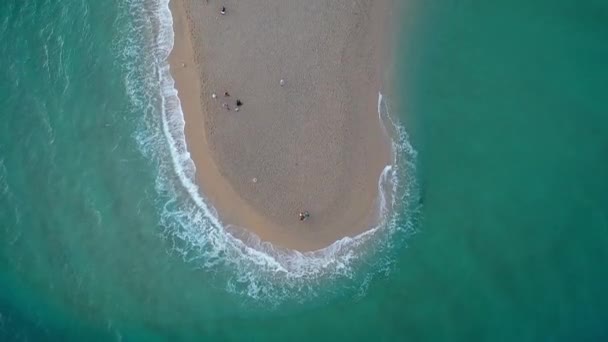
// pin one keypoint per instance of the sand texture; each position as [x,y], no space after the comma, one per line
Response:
[314,143]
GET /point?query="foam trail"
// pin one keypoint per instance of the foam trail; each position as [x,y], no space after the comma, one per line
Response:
[256,269]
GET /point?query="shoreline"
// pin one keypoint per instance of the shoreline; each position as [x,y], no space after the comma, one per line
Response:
[234,209]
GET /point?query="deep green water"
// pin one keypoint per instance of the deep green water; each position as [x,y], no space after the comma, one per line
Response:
[505,103]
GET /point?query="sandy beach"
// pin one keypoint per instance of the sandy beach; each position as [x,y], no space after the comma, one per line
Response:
[311,143]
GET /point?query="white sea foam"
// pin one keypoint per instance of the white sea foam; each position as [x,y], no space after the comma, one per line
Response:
[247,266]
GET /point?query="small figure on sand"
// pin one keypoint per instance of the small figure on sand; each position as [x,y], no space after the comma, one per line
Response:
[225,105]
[282,82]
[226,94]
[223,10]
[304,215]
[239,103]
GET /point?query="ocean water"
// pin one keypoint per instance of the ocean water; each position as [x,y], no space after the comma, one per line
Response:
[496,222]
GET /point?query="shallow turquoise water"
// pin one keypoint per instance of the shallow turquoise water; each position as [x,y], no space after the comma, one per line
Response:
[505,104]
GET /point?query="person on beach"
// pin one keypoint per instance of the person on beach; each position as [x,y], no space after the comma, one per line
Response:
[239,103]
[223,10]
[226,94]
[304,215]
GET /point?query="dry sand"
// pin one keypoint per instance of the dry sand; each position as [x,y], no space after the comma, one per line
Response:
[313,144]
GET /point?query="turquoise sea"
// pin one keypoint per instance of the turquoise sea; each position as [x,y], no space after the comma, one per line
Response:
[496,223]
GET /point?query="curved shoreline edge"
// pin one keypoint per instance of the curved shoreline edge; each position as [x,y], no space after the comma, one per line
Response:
[337,175]
[262,270]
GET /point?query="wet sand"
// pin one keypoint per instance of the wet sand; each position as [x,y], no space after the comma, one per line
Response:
[314,143]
